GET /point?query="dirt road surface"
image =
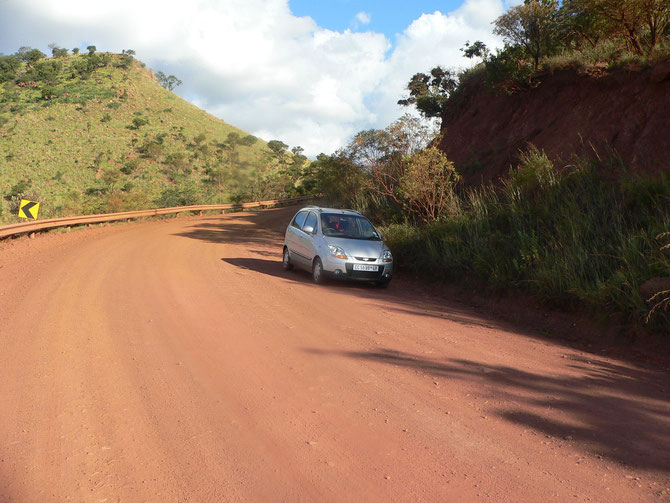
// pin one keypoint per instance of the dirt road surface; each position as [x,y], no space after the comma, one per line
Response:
[175,361]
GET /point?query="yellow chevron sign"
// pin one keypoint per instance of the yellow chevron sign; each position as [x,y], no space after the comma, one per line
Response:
[28,209]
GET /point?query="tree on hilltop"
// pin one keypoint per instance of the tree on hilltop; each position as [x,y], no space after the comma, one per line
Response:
[56,51]
[429,92]
[532,25]
[29,55]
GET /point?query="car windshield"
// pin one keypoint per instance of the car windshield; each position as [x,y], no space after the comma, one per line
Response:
[348,226]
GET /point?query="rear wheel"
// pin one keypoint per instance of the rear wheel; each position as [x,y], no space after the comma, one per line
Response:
[286,261]
[317,271]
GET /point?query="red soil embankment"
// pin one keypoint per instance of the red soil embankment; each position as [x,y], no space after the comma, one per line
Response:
[624,114]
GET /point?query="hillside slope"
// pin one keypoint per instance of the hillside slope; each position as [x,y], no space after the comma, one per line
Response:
[87,133]
[621,114]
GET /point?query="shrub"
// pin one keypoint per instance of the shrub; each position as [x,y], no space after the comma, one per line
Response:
[428,184]
[181,194]
[138,122]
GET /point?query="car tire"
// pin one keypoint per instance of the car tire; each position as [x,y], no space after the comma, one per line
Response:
[317,271]
[286,260]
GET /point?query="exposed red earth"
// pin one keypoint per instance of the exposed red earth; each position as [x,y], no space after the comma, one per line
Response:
[618,116]
[175,361]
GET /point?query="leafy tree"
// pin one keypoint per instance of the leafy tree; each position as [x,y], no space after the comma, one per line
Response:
[533,26]
[57,52]
[91,49]
[640,23]
[248,140]
[216,181]
[278,148]
[48,71]
[508,70]
[128,52]
[30,55]
[429,93]
[578,24]
[177,166]
[477,49]
[169,82]
[49,92]
[9,66]
[75,50]
[344,183]
[233,138]
[428,184]
[183,193]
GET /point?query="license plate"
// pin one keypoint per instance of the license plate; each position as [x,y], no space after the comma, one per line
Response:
[365,267]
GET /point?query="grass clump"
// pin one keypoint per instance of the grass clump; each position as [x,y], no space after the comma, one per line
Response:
[571,238]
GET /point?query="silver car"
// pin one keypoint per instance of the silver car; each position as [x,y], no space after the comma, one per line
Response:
[342,244]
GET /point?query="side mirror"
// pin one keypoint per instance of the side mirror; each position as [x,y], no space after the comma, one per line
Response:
[308,229]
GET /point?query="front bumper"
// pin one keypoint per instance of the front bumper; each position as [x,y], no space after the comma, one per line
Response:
[344,269]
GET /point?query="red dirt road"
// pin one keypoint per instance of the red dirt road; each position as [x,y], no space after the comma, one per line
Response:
[175,361]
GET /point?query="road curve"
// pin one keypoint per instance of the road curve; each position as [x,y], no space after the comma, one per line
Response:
[175,361]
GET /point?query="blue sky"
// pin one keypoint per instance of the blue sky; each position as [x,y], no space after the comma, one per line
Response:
[389,17]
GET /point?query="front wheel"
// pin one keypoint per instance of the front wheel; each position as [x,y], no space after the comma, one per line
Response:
[317,271]
[286,260]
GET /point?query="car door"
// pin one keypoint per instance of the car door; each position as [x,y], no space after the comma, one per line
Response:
[293,238]
[308,237]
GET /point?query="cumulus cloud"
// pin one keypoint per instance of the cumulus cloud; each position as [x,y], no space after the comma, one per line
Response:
[256,65]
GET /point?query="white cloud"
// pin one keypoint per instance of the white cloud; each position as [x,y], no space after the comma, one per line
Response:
[257,66]
[363,18]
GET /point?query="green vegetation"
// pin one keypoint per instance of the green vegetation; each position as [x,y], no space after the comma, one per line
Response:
[95,132]
[571,238]
[544,35]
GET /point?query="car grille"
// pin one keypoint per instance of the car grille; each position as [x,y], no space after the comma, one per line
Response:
[365,259]
[364,274]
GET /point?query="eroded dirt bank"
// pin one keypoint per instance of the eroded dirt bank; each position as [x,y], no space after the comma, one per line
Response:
[612,115]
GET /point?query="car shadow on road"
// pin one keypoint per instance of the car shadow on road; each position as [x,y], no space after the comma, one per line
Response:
[609,410]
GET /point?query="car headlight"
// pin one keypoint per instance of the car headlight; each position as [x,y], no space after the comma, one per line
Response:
[386,256]
[337,252]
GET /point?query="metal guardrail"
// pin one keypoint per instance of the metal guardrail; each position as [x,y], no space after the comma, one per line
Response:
[40,225]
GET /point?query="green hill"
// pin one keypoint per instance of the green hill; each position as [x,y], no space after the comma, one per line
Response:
[96,132]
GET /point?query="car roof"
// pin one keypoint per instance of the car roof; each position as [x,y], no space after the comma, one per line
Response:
[336,211]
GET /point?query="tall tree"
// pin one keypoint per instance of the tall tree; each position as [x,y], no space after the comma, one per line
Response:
[533,26]
[429,92]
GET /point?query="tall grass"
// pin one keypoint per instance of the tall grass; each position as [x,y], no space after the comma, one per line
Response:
[571,238]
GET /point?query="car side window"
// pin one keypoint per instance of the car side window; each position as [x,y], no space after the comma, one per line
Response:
[299,219]
[311,221]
